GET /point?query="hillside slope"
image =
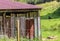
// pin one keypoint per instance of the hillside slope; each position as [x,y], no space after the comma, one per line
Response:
[51,9]
[50,20]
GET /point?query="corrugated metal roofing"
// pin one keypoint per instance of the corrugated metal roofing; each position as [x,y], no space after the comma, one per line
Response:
[5,4]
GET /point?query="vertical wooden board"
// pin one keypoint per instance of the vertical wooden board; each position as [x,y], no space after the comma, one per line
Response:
[35,26]
[22,20]
[1,30]
[1,26]
[12,26]
[38,26]
[8,26]
[4,21]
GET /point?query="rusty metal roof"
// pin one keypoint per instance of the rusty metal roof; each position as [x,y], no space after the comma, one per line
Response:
[4,4]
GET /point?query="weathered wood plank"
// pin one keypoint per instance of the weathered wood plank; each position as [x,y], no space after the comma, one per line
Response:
[12,25]
[1,25]
[39,27]
[4,16]
[35,24]
[23,28]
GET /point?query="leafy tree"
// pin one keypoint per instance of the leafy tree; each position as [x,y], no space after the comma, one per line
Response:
[33,1]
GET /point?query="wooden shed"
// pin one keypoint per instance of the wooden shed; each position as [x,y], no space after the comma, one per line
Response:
[19,20]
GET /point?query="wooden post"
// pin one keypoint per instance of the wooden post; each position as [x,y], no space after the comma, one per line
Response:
[18,28]
[39,27]
[35,24]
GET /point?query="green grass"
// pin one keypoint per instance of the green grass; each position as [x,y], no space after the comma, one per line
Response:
[51,28]
[7,39]
[50,24]
[15,39]
[51,33]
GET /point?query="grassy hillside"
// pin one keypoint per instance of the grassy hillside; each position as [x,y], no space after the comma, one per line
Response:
[51,10]
[50,20]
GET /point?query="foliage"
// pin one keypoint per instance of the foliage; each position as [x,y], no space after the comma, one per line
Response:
[30,1]
[36,1]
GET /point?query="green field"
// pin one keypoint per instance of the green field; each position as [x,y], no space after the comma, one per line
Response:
[50,21]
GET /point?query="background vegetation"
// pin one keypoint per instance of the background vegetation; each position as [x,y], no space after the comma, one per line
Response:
[50,21]
[36,1]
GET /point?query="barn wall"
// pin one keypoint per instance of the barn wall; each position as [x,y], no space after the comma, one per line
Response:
[33,24]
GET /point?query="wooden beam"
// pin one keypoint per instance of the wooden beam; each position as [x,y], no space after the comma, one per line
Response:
[17,10]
